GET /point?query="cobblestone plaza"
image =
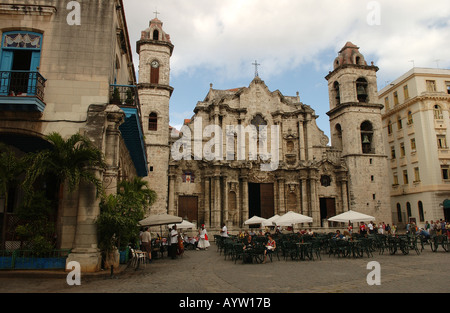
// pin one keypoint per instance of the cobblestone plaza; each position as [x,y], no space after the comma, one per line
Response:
[199,272]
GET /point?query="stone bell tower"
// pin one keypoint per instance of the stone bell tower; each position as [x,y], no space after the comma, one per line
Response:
[155,50]
[356,130]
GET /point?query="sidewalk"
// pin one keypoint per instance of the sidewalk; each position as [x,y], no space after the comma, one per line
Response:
[44,274]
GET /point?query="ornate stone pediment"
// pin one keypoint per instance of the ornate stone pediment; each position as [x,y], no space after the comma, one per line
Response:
[260,177]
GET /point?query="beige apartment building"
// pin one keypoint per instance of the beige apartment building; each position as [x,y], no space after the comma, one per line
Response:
[67,67]
[417,128]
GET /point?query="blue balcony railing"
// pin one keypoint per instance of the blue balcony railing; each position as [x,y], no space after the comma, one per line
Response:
[22,84]
[22,91]
[127,98]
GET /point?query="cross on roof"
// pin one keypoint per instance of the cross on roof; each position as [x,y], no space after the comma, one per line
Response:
[256,64]
[156,13]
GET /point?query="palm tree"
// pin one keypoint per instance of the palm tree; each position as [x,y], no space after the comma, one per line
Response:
[138,190]
[11,168]
[69,162]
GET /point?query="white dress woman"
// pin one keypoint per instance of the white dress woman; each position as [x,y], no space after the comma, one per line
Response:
[203,242]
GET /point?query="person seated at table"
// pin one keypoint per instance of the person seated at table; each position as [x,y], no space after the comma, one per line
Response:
[249,244]
[423,232]
[338,235]
[271,245]
[347,234]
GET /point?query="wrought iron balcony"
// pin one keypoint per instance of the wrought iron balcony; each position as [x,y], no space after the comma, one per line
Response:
[22,91]
[127,98]
[124,95]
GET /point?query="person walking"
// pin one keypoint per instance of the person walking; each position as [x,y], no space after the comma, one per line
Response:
[173,242]
[224,231]
[203,242]
[146,239]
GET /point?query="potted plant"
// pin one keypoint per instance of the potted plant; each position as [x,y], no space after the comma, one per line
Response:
[119,217]
[130,99]
[116,97]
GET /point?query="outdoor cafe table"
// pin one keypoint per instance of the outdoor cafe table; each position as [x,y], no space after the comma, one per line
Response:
[396,243]
[304,249]
[355,248]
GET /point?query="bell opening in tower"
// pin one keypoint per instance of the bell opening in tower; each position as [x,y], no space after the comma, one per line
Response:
[361,88]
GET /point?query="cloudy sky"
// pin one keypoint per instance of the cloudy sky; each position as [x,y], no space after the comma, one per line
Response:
[295,41]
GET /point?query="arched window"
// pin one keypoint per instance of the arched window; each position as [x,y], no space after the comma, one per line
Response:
[337,93]
[367,137]
[361,90]
[258,121]
[408,209]
[153,121]
[337,137]
[437,112]
[421,215]
[155,34]
[399,213]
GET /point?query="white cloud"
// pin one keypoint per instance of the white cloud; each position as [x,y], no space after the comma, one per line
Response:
[227,35]
[218,40]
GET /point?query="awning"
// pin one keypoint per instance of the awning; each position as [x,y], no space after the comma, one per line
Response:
[134,140]
[446,204]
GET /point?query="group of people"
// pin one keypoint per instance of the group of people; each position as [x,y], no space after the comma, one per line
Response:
[270,246]
[440,227]
[175,241]
[201,242]
[373,228]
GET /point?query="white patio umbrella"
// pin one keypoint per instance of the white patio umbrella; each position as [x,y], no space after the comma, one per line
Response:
[160,219]
[351,216]
[269,221]
[183,225]
[291,218]
[254,220]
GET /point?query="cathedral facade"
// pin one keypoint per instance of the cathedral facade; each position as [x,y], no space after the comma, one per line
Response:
[251,151]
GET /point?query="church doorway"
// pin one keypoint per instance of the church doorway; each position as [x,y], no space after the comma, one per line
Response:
[261,200]
[327,209]
[188,208]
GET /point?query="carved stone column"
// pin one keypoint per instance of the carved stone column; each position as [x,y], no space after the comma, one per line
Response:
[225,199]
[303,195]
[244,199]
[172,194]
[301,139]
[344,195]
[85,247]
[215,214]
[114,118]
[315,207]
[308,144]
[281,196]
[207,203]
